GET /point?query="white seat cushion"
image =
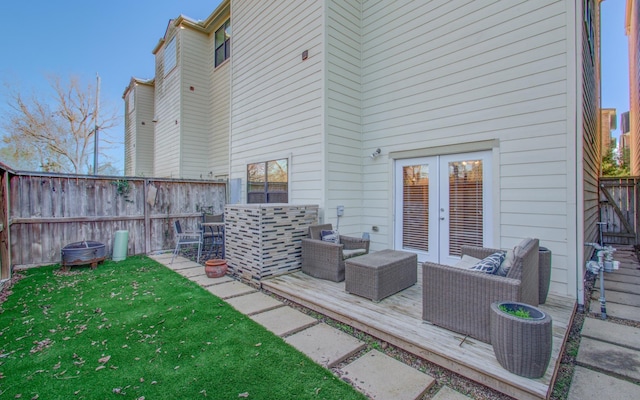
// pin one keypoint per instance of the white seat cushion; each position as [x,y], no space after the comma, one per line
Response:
[466,262]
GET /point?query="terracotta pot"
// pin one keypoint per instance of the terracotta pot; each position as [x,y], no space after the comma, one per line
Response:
[215,268]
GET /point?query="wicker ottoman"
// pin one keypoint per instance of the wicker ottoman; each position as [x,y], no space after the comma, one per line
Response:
[380,274]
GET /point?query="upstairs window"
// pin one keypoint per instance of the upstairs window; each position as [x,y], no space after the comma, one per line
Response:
[170,56]
[589,24]
[223,36]
[131,100]
[268,182]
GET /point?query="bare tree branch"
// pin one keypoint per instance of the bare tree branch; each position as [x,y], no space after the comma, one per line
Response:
[57,130]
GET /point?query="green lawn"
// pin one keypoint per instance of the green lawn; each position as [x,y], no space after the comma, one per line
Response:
[137,330]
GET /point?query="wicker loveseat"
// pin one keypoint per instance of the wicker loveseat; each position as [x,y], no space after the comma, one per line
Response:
[460,299]
[325,260]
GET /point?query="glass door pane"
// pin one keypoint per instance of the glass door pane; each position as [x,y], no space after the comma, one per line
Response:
[415,207]
[416,227]
[465,205]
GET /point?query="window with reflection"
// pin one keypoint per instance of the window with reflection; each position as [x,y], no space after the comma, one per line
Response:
[223,36]
[268,182]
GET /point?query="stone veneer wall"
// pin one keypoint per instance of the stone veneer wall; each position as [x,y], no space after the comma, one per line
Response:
[265,240]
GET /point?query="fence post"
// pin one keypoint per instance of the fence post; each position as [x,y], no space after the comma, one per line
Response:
[147,218]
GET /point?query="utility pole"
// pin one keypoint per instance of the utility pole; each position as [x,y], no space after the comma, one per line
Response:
[96,129]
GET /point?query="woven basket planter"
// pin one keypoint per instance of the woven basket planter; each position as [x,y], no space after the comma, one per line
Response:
[521,345]
[544,273]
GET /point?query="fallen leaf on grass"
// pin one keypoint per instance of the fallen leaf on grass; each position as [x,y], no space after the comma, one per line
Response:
[40,345]
[100,367]
[103,360]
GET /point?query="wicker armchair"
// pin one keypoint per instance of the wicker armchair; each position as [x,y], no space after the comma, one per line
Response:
[460,299]
[325,260]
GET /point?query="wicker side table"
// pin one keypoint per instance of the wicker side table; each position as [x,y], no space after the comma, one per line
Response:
[381,274]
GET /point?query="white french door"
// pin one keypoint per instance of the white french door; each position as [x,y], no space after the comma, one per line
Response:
[442,203]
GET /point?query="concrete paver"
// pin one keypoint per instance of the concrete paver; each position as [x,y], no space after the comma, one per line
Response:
[254,303]
[588,384]
[610,285]
[621,335]
[162,256]
[191,272]
[616,310]
[179,263]
[205,281]
[616,277]
[446,393]
[325,345]
[633,272]
[382,377]
[284,320]
[609,352]
[230,289]
[603,356]
[618,297]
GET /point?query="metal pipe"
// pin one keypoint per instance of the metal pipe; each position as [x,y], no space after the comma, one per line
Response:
[603,301]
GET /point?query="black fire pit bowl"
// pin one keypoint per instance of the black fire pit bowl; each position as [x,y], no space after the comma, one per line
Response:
[83,253]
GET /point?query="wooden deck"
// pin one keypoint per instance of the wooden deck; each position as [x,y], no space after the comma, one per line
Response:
[398,321]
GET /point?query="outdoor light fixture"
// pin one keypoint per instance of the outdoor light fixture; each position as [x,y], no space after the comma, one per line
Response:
[375,154]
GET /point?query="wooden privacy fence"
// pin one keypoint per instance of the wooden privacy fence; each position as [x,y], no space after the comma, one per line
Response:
[619,210]
[42,213]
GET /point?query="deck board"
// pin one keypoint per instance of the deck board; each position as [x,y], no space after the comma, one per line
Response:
[398,321]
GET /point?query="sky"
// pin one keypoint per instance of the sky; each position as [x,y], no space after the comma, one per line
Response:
[114,39]
[614,58]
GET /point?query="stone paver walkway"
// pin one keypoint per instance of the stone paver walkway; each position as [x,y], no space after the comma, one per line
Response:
[609,353]
[608,356]
[374,373]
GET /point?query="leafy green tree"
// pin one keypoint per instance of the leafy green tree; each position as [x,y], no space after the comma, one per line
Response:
[610,165]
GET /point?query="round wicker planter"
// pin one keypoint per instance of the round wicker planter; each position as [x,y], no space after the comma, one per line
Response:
[215,268]
[521,345]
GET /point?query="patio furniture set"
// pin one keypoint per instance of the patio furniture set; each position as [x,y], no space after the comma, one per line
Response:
[210,229]
[458,298]
[466,298]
